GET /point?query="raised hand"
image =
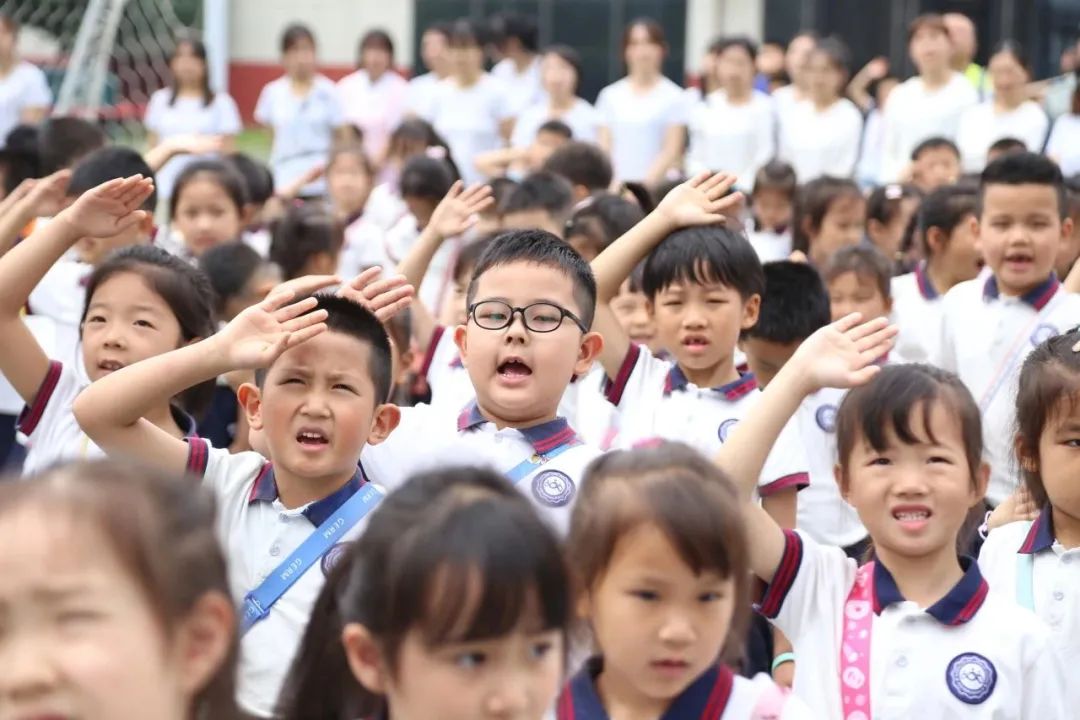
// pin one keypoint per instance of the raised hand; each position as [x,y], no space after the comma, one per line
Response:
[458,211]
[842,355]
[46,196]
[110,208]
[1016,508]
[259,334]
[701,200]
[385,297]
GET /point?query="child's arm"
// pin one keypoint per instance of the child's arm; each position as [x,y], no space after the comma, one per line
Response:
[455,213]
[111,410]
[31,199]
[495,163]
[702,200]
[859,87]
[101,212]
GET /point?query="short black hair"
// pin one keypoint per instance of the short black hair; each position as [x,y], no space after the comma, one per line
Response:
[776,175]
[543,190]
[539,247]
[1006,145]
[257,177]
[725,43]
[944,209]
[110,163]
[557,127]
[1024,168]
[702,255]
[469,256]
[867,262]
[293,34]
[230,266]
[582,164]
[519,27]
[604,218]
[223,174]
[302,233]
[426,177]
[19,158]
[883,203]
[935,143]
[64,140]
[375,38]
[795,303]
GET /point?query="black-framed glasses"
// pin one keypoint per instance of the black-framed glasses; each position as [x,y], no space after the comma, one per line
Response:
[539,317]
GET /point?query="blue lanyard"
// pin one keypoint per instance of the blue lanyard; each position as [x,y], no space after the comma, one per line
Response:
[1025,570]
[522,470]
[258,602]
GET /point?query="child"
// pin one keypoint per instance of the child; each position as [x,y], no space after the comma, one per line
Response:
[598,220]
[795,306]
[889,209]
[914,633]
[207,207]
[858,279]
[140,302]
[1030,561]
[413,137]
[658,553]
[349,180]
[990,324]
[585,165]
[306,241]
[935,162]
[633,311]
[541,200]
[946,222]
[115,598]
[1004,146]
[259,182]
[1070,248]
[518,160]
[320,399]
[454,575]
[830,214]
[772,205]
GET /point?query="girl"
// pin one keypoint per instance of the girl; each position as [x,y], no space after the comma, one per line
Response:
[598,221]
[22,85]
[374,97]
[1007,114]
[140,302]
[115,601]
[190,109]
[830,213]
[1035,562]
[208,207]
[453,605]
[302,111]
[560,74]
[889,209]
[658,553]
[349,179]
[913,633]
[643,116]
[306,241]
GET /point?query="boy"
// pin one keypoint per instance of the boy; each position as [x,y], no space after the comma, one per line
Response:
[858,278]
[990,324]
[935,162]
[320,399]
[772,205]
[584,165]
[542,200]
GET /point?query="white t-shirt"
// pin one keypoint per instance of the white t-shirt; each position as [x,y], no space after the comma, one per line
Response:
[24,87]
[869,168]
[916,313]
[468,119]
[914,114]
[187,116]
[638,121]
[581,118]
[375,107]
[981,126]
[523,89]
[737,138]
[303,128]
[820,143]
[1064,144]
[420,99]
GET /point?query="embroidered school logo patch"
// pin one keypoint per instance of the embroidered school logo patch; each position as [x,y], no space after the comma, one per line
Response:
[826,418]
[553,488]
[971,678]
[1042,333]
[725,428]
[333,556]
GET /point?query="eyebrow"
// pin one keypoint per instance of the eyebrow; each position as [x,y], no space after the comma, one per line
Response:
[136,308]
[501,299]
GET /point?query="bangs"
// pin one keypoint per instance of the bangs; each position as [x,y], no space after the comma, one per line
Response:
[704,256]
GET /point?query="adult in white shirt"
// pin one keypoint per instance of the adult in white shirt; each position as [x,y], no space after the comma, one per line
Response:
[302,110]
[796,63]
[24,93]
[643,116]
[374,98]
[189,113]
[927,105]
[560,73]
[1006,114]
[820,136]
[470,111]
[1064,143]
[435,53]
[733,129]
[519,69]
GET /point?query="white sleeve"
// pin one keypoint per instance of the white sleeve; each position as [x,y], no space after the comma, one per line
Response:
[227,116]
[264,107]
[52,403]
[604,108]
[786,465]
[679,109]
[228,475]
[38,93]
[154,108]
[853,128]
[639,383]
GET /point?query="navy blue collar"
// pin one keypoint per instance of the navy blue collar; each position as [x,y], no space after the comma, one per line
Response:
[957,607]
[705,698]
[544,437]
[676,380]
[265,489]
[1041,535]
[923,282]
[1037,297]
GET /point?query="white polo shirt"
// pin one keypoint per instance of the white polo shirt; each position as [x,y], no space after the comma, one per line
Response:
[768,244]
[916,313]
[431,437]
[257,533]
[654,399]
[823,513]
[1055,580]
[916,656]
[718,694]
[984,339]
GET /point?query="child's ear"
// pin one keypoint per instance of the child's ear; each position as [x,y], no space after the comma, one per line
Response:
[461,340]
[1028,463]
[591,345]
[250,399]
[386,418]
[982,480]
[974,221]
[1066,228]
[203,640]
[935,240]
[364,657]
[751,311]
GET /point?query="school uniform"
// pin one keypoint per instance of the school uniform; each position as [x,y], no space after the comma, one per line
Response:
[52,432]
[548,459]
[718,694]
[257,532]
[984,339]
[916,312]
[445,373]
[769,244]
[970,654]
[654,399]
[1023,562]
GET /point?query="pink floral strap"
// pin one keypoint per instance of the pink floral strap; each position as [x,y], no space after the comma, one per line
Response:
[855,648]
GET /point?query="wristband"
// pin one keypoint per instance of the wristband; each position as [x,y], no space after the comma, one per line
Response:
[788,657]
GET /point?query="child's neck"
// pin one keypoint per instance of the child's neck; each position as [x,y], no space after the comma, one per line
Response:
[940,277]
[527,422]
[1066,529]
[623,701]
[297,492]
[925,579]
[718,375]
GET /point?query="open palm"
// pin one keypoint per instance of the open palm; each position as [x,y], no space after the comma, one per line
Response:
[702,200]
[258,335]
[111,207]
[842,355]
[457,212]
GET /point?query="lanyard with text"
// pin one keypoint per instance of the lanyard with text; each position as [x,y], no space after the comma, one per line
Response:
[855,647]
[258,602]
[526,466]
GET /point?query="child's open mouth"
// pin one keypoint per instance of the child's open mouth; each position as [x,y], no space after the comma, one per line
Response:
[312,439]
[110,365]
[912,518]
[695,344]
